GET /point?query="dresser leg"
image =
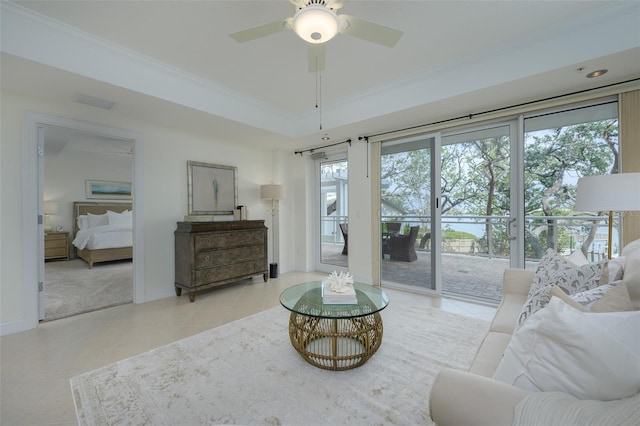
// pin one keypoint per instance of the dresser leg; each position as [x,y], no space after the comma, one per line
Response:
[192,297]
[265,277]
[178,291]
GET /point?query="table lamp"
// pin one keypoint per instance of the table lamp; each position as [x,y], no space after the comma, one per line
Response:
[50,208]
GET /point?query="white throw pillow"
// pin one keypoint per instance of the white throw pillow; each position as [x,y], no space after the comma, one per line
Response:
[632,247]
[631,277]
[616,268]
[124,218]
[577,258]
[587,355]
[97,220]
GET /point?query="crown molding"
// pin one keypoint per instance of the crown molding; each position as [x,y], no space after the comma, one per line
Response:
[38,38]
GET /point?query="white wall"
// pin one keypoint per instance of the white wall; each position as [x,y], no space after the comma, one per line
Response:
[164,198]
[65,175]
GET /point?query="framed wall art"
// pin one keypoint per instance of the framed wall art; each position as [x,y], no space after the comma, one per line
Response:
[107,190]
[212,189]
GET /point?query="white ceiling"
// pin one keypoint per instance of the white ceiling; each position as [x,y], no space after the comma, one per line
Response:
[173,63]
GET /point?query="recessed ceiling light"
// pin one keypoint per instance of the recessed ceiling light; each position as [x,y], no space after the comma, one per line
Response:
[597,73]
[93,101]
[325,137]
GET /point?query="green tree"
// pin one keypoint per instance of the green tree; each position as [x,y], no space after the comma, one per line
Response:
[554,155]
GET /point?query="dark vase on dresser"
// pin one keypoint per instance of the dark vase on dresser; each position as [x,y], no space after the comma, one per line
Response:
[210,254]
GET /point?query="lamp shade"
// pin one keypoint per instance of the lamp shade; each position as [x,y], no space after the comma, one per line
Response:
[272,192]
[315,24]
[616,192]
[50,207]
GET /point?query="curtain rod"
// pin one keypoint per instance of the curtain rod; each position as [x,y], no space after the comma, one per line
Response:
[490,111]
[321,147]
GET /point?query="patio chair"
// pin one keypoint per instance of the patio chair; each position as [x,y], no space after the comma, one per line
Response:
[345,234]
[403,247]
[425,241]
[393,228]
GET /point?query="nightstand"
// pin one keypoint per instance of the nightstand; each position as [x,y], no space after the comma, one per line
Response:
[56,245]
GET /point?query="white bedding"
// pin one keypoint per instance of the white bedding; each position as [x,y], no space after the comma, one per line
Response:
[104,236]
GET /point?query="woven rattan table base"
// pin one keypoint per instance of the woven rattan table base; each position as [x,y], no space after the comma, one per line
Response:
[336,344]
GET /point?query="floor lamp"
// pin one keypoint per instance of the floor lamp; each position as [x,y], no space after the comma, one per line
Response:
[616,192]
[274,193]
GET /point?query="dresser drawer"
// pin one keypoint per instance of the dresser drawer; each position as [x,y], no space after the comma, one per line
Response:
[228,239]
[221,273]
[207,259]
[50,244]
[55,252]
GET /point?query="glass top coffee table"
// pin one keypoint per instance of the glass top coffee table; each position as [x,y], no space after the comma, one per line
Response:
[334,336]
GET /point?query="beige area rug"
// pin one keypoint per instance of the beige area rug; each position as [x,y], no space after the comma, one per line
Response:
[247,373]
[71,288]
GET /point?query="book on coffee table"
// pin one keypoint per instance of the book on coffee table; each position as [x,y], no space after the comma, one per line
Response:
[334,298]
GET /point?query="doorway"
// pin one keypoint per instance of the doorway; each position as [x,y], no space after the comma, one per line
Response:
[332,207]
[72,159]
[33,208]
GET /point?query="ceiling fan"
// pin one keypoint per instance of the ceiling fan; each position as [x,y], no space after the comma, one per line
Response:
[317,22]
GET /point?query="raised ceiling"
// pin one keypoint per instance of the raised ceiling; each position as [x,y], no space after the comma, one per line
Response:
[172,62]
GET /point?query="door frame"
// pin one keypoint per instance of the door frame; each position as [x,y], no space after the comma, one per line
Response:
[330,158]
[32,207]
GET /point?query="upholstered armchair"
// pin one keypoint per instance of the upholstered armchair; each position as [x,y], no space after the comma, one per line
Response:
[403,247]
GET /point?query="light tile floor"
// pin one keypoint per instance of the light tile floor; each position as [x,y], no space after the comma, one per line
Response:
[36,365]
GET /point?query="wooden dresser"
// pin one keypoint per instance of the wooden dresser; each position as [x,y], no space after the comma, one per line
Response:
[209,254]
[56,245]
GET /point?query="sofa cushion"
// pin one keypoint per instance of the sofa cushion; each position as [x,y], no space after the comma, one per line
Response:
[490,353]
[588,355]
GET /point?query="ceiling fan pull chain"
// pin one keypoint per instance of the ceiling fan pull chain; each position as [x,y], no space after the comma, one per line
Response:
[321,102]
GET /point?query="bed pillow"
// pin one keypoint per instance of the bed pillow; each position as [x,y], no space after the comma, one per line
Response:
[585,354]
[83,222]
[125,218]
[97,220]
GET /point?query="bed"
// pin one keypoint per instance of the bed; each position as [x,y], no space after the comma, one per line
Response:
[102,231]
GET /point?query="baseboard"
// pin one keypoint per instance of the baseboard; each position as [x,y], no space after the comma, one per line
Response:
[12,327]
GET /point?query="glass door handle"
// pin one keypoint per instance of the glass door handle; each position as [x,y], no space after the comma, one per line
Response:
[510,223]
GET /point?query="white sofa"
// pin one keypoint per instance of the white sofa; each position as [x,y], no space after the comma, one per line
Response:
[473,397]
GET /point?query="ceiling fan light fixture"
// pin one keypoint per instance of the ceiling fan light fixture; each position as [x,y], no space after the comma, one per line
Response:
[316,24]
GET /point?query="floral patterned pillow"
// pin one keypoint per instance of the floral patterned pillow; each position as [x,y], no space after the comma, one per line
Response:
[554,269]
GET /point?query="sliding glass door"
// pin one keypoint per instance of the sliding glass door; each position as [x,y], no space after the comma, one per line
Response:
[447,224]
[407,200]
[333,211]
[560,147]
[477,224]
[461,206]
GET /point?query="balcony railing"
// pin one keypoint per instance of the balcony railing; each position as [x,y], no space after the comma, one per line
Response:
[488,235]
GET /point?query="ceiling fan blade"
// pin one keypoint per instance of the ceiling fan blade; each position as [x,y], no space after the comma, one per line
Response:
[370,31]
[259,31]
[315,53]
[335,4]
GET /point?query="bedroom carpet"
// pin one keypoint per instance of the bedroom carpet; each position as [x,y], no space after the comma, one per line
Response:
[71,288]
[246,372]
